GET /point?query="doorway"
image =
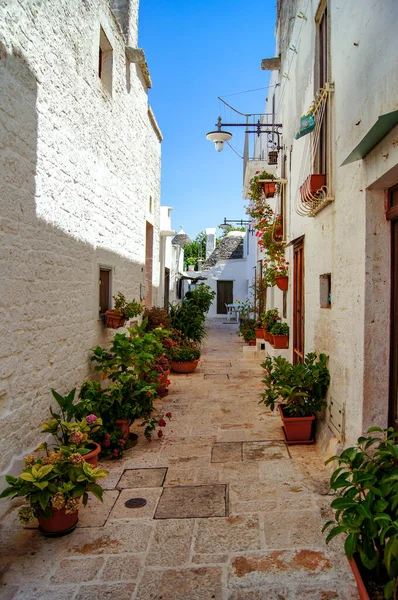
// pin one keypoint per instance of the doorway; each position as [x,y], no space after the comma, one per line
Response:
[224,296]
[298,302]
[392,215]
[148,264]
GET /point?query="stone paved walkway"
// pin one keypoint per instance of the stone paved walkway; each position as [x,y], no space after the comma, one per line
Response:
[231,512]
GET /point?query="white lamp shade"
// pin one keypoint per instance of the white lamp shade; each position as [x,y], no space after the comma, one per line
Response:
[219,136]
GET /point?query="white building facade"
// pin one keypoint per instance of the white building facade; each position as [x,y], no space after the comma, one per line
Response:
[80,178]
[339,61]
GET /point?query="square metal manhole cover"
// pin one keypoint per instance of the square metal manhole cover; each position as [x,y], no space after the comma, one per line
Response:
[188,502]
[142,478]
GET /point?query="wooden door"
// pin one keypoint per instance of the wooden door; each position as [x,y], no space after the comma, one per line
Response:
[392,214]
[104,293]
[148,264]
[224,296]
[166,288]
[298,302]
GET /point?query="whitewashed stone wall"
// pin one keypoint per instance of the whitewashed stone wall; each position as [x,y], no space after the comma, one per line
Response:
[77,169]
[350,238]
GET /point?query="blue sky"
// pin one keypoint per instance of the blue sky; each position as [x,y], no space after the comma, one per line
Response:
[197,51]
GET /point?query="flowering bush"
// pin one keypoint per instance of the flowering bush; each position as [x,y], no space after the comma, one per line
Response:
[53,480]
[66,429]
[270,318]
[153,423]
[156,318]
[248,330]
[186,351]
[275,268]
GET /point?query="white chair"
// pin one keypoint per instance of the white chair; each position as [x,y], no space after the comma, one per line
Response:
[232,311]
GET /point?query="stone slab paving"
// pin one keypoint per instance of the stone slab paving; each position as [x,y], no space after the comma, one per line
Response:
[223,453]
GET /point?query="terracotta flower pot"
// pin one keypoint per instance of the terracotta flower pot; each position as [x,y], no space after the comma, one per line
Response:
[252,342]
[362,591]
[297,429]
[268,337]
[60,523]
[312,186]
[184,367]
[260,333]
[92,457]
[124,426]
[114,320]
[269,189]
[280,342]
[282,282]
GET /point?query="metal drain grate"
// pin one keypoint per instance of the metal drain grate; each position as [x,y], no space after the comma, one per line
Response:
[215,375]
[135,503]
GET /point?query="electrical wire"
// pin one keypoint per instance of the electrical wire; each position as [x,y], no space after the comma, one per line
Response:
[249,91]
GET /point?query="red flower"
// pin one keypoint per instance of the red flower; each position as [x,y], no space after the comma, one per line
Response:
[169,415]
[162,423]
[116,452]
[160,433]
[148,438]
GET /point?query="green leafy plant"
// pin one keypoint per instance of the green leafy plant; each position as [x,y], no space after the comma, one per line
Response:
[156,317]
[66,429]
[185,351]
[245,308]
[53,480]
[247,330]
[366,484]
[280,329]
[270,318]
[128,309]
[301,387]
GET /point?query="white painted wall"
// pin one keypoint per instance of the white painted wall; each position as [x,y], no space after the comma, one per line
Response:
[77,168]
[350,237]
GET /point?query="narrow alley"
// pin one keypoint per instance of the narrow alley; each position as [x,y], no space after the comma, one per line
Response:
[231,512]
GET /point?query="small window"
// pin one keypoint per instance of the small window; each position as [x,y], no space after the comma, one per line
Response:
[104,290]
[105,62]
[325,290]
[150,205]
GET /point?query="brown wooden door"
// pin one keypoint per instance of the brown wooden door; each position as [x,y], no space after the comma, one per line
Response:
[224,295]
[298,303]
[104,295]
[393,215]
[166,288]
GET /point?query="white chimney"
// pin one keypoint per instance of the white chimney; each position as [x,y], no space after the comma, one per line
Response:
[210,241]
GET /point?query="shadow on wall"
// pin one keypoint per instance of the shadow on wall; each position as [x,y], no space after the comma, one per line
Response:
[49,280]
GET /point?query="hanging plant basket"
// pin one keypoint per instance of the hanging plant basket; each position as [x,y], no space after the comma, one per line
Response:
[282,282]
[114,320]
[269,189]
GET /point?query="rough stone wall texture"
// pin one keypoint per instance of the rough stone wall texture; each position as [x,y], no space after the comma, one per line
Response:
[77,168]
[350,238]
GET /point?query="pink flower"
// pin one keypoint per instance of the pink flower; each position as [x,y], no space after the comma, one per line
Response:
[122,441]
[106,442]
[116,452]
[162,423]
[91,418]
[76,437]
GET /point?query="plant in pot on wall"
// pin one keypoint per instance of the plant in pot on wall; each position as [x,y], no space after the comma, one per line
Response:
[280,335]
[257,186]
[53,484]
[299,390]
[366,484]
[122,311]
[270,318]
[247,330]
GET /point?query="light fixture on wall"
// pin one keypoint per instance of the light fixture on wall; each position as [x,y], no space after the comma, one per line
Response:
[238,222]
[219,136]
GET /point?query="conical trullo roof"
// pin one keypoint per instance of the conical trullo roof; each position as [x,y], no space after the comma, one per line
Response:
[181,239]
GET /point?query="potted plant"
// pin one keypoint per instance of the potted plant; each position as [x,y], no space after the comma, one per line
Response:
[260,327]
[53,484]
[162,366]
[299,390]
[248,331]
[280,335]
[156,317]
[366,487]
[270,318]
[122,311]
[184,358]
[258,185]
[313,187]
[70,432]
